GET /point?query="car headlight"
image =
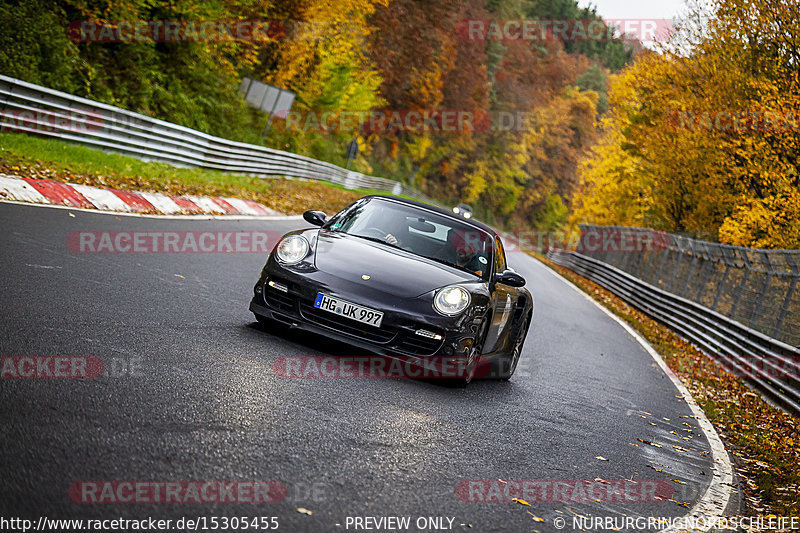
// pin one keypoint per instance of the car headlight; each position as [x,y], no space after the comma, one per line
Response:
[292,250]
[451,300]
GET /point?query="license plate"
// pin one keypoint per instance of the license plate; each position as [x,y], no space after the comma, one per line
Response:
[340,307]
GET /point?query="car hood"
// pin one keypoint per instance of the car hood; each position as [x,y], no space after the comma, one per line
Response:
[390,270]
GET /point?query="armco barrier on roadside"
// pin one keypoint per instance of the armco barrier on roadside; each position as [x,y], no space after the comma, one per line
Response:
[33,109]
[673,281]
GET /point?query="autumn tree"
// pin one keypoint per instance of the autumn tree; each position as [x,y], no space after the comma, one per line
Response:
[709,123]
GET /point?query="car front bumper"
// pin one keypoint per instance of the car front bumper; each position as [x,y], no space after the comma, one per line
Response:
[410,328]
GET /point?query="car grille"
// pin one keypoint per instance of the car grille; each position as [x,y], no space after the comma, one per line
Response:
[344,325]
[418,345]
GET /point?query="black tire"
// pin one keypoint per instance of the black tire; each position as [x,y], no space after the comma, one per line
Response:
[518,344]
[474,356]
[469,370]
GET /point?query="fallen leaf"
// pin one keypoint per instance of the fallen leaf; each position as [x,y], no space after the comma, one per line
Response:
[601,458]
[521,502]
[179,276]
[303,510]
[73,216]
[650,443]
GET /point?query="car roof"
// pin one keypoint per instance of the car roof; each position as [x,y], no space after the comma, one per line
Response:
[437,210]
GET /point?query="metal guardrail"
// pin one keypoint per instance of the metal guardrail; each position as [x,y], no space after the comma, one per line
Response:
[756,287]
[770,365]
[33,109]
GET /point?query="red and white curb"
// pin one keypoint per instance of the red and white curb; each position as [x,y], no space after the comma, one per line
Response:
[43,191]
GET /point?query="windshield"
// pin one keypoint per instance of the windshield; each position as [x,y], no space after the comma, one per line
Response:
[420,232]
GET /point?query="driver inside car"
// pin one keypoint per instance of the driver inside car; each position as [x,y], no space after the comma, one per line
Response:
[469,254]
[397,230]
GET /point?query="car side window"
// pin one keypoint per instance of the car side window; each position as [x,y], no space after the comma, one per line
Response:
[499,256]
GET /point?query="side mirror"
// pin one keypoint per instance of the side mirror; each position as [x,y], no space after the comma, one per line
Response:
[510,278]
[317,218]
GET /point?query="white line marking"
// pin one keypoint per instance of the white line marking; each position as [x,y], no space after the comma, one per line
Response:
[21,190]
[101,198]
[715,500]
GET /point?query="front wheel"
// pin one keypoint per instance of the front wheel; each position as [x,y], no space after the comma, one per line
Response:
[515,355]
[474,357]
[469,369]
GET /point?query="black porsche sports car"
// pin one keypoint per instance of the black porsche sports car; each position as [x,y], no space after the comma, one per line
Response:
[401,279]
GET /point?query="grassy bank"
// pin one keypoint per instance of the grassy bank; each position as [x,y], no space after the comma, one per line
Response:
[34,157]
[764,441]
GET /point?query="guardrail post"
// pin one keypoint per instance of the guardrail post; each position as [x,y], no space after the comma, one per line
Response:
[776,332]
[764,289]
[676,266]
[708,267]
[659,274]
[627,264]
[4,102]
[643,261]
[723,281]
[692,265]
[740,289]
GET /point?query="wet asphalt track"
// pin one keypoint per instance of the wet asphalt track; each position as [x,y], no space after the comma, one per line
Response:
[204,403]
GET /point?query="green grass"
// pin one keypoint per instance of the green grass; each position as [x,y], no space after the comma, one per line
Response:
[36,157]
